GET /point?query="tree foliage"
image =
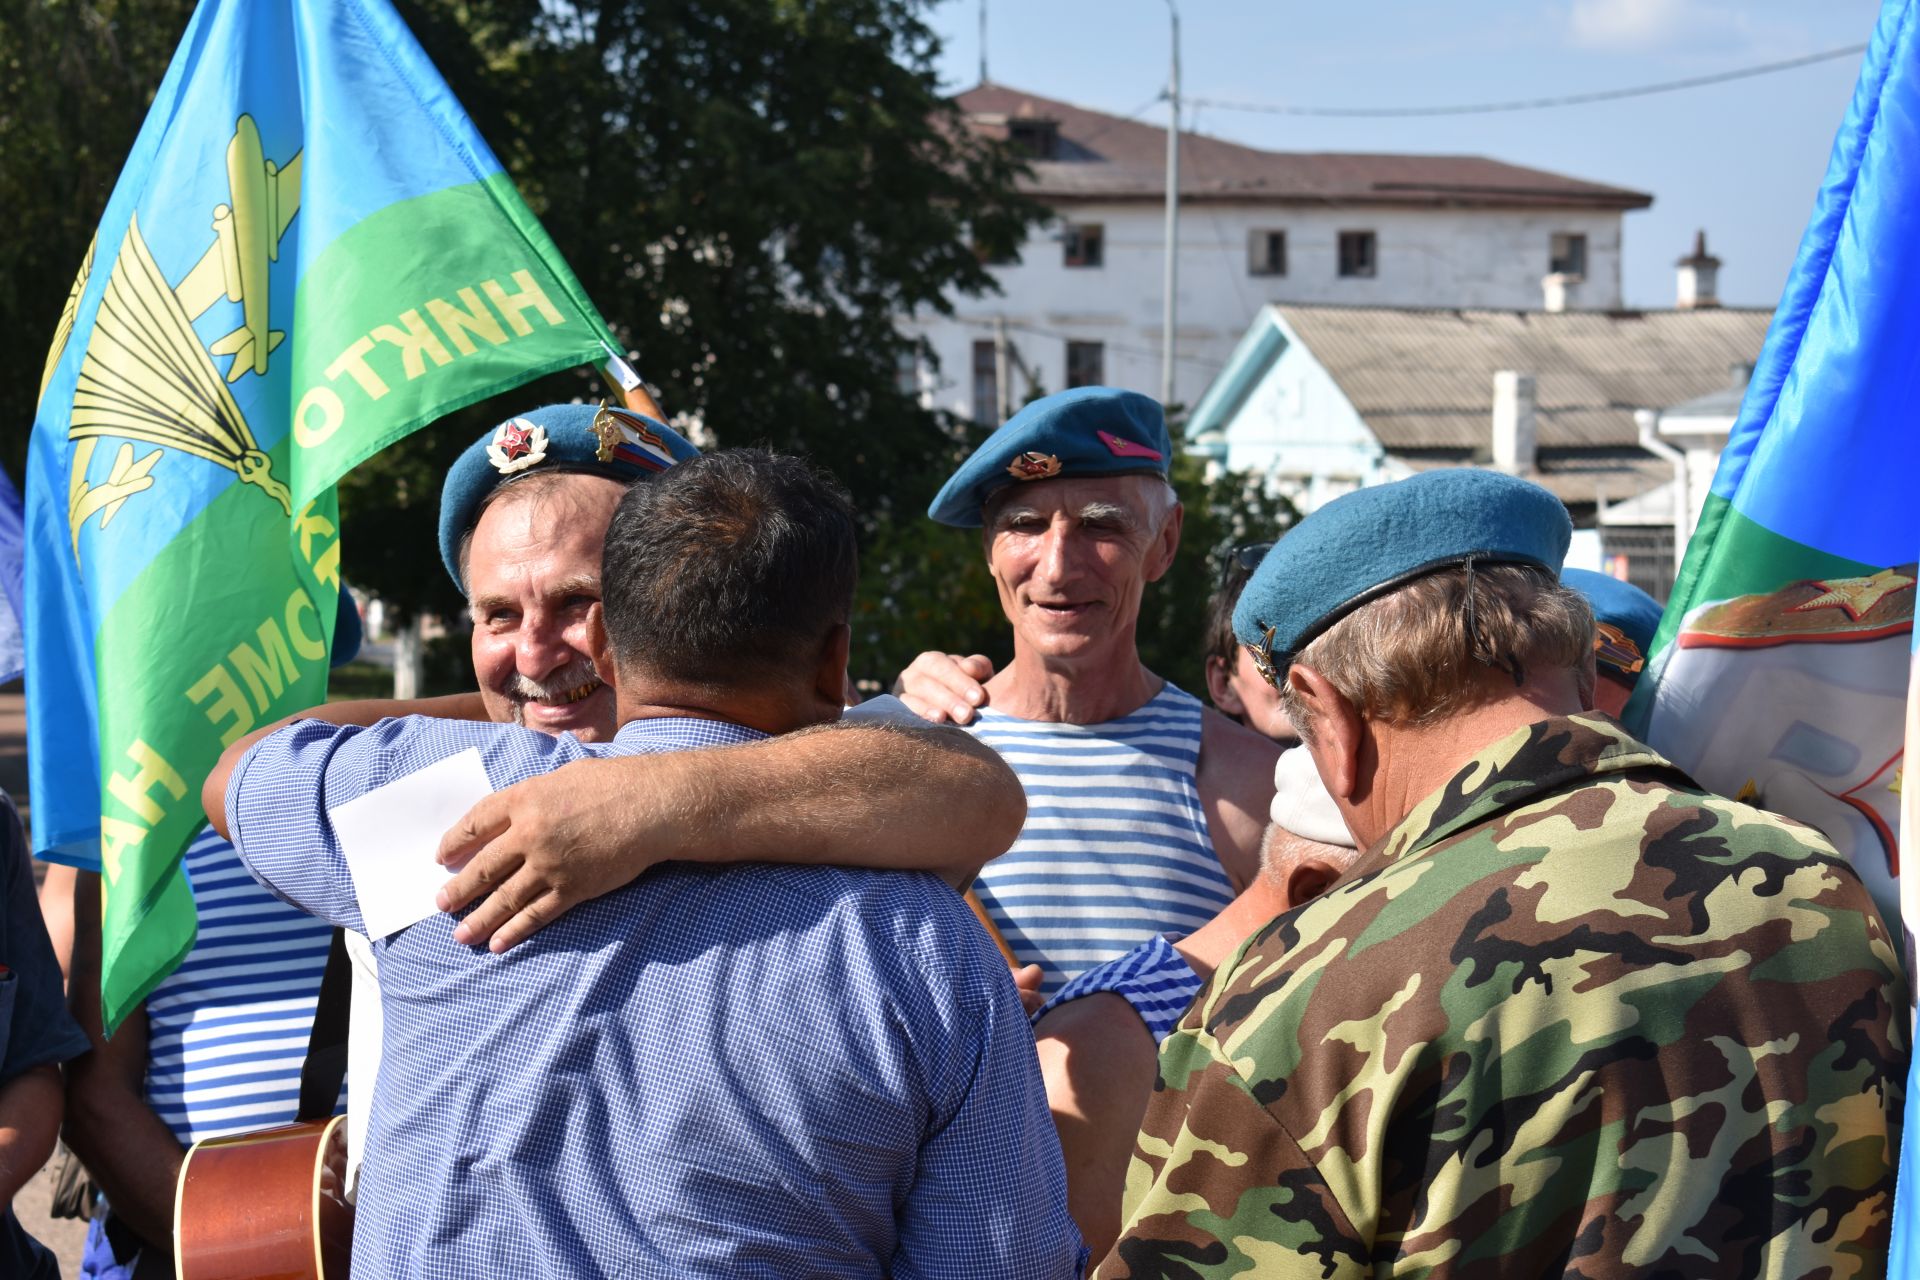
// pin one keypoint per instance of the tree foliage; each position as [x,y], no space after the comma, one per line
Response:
[75,80]
[752,191]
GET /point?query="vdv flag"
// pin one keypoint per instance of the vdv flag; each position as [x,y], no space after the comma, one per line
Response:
[13,581]
[310,253]
[1782,669]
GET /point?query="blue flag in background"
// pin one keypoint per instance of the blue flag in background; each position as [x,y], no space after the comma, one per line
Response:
[13,583]
[1783,669]
[309,253]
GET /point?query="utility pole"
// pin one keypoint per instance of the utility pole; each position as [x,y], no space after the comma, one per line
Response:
[983,41]
[1172,282]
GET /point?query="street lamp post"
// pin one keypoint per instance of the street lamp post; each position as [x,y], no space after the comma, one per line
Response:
[1172,281]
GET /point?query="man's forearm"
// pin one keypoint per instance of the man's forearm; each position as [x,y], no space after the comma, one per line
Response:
[361,711]
[126,1147]
[860,795]
[130,1152]
[29,1125]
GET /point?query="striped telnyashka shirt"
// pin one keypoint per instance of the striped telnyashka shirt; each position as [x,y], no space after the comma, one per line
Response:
[1116,846]
[1153,977]
[227,1031]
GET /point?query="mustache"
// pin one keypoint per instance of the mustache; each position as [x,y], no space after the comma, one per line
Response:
[571,682]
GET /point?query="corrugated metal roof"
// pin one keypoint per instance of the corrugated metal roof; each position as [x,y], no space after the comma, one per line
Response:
[1423,379]
[1579,478]
[1103,156]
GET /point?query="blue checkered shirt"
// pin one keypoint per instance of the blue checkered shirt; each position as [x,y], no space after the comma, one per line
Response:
[744,1070]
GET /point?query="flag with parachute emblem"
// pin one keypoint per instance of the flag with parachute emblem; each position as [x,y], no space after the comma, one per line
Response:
[1784,671]
[309,254]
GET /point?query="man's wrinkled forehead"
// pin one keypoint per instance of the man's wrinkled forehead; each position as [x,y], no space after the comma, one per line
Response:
[1128,498]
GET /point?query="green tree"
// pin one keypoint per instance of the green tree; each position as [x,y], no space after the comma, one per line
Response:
[751,190]
[75,80]
[752,193]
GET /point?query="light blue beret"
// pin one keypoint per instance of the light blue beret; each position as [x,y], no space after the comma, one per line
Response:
[1088,431]
[1365,543]
[1632,614]
[599,440]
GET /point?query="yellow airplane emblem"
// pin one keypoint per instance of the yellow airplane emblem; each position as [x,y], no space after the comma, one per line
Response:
[247,236]
[146,375]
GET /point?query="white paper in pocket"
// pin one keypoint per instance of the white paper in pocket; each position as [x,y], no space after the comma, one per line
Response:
[390,834]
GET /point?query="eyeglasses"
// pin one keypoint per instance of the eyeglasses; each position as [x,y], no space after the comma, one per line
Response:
[1248,556]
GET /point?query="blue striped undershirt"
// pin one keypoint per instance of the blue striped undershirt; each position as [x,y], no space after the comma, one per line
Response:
[1116,846]
[227,1031]
[1153,977]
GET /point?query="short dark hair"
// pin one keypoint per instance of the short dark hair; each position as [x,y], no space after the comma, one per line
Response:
[728,568]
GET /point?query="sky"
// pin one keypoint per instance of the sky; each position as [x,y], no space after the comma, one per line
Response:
[1741,161]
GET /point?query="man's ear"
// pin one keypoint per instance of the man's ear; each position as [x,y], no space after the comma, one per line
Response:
[830,674]
[1307,879]
[1338,730]
[1165,544]
[599,648]
[1220,687]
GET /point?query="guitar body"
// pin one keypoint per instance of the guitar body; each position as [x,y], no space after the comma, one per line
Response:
[267,1205]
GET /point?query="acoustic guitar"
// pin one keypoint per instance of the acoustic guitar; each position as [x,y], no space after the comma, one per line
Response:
[266,1205]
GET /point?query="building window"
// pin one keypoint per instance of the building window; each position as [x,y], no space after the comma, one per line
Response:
[906,373]
[1567,254]
[1084,244]
[1038,138]
[1086,364]
[1358,253]
[986,384]
[1266,253]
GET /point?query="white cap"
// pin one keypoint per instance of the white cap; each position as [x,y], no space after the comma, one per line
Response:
[1301,803]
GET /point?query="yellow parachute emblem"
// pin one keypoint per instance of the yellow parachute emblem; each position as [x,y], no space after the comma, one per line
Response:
[146,375]
[64,328]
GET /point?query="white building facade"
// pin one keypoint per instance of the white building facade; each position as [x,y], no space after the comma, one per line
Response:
[1082,304]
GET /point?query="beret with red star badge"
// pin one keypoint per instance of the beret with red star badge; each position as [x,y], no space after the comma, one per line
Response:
[1088,431]
[599,440]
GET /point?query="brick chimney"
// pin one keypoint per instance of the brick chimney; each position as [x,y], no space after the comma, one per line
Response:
[1699,279]
[1516,439]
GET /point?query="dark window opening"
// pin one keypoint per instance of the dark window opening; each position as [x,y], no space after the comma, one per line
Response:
[1567,254]
[1267,253]
[986,385]
[1086,364]
[1359,252]
[1084,245]
[1038,138]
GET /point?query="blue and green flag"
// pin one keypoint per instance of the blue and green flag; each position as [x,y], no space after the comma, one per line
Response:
[1783,667]
[310,253]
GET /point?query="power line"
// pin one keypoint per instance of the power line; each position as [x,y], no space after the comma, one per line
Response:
[1536,104]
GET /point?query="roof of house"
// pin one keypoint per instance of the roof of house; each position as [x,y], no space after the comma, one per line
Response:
[1423,379]
[1107,157]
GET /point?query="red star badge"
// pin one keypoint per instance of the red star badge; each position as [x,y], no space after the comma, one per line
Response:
[515,442]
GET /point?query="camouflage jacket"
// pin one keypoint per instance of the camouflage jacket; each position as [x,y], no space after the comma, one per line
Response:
[1573,1016]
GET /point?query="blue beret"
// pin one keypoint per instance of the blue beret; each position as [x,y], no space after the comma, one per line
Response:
[1631,613]
[1089,431]
[600,440]
[1372,540]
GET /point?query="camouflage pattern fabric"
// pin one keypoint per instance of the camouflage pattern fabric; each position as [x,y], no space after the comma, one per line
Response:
[1573,1016]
